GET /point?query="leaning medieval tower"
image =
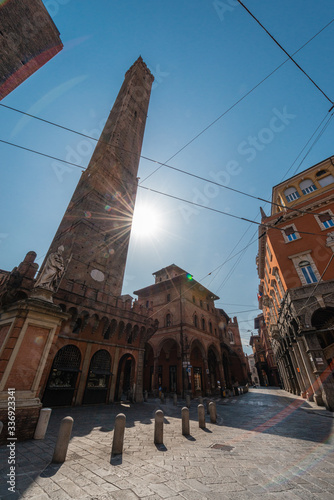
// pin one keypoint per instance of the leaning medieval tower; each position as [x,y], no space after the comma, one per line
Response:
[95,229]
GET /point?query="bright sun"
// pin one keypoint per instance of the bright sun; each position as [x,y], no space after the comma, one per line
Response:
[146,221]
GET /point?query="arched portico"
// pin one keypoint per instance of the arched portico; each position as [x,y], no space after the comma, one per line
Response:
[60,388]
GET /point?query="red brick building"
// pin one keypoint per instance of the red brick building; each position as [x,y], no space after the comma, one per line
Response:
[69,337]
[29,39]
[197,348]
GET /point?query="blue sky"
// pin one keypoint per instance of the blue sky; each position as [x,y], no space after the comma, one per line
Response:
[205,55]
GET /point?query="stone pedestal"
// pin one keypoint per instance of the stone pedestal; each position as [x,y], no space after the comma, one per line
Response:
[28,329]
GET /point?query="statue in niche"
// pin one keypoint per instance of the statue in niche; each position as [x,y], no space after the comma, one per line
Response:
[53,271]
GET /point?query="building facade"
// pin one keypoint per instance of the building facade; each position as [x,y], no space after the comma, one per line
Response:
[253,373]
[196,347]
[296,270]
[85,342]
[263,354]
[29,39]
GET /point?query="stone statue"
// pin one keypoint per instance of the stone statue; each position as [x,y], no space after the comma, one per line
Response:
[53,271]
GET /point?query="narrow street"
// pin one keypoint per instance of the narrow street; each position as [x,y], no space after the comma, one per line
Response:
[266,444]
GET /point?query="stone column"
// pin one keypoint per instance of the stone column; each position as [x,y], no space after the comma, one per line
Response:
[282,374]
[321,369]
[313,391]
[140,375]
[304,381]
[294,364]
[83,380]
[155,384]
[287,374]
[206,376]
[114,371]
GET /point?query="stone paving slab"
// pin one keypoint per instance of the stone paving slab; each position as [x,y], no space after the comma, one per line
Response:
[269,445]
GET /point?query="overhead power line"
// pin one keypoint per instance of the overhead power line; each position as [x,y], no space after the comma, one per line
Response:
[269,226]
[170,195]
[223,186]
[286,53]
[161,164]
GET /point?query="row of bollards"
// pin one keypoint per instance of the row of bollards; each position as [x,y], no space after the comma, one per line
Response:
[65,430]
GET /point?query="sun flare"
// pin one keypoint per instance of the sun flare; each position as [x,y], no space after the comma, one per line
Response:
[146,221]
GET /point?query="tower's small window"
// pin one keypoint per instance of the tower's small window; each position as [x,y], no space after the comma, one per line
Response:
[195,321]
[168,320]
[203,324]
[168,297]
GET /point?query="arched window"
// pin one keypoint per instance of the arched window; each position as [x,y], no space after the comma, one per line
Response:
[291,194]
[210,326]
[307,186]
[231,337]
[195,321]
[168,320]
[203,324]
[307,271]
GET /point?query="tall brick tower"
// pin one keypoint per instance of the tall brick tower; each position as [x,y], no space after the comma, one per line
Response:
[95,229]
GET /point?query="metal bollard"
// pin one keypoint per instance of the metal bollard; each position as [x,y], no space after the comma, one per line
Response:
[145,396]
[213,412]
[159,427]
[188,400]
[208,401]
[42,423]
[118,439]
[63,439]
[175,400]
[200,400]
[185,421]
[201,416]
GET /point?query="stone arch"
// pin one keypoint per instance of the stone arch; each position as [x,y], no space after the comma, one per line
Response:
[128,331]
[120,329]
[63,377]
[111,329]
[98,378]
[323,321]
[168,375]
[313,307]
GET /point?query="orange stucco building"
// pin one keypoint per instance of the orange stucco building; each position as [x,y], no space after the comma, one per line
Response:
[296,271]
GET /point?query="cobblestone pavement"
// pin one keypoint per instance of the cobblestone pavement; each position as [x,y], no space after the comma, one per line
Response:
[267,444]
